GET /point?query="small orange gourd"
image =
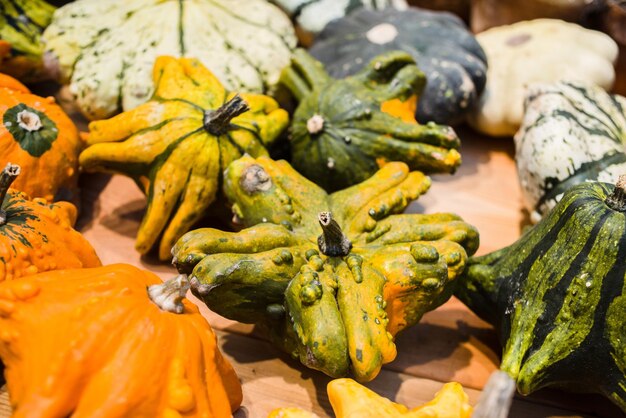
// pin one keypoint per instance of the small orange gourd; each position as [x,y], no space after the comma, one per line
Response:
[92,343]
[36,236]
[352,400]
[36,134]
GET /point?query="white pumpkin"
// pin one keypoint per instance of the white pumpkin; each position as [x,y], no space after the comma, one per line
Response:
[105,50]
[542,50]
[571,133]
[311,16]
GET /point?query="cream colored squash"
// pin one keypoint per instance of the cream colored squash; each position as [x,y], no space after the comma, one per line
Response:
[542,50]
[105,50]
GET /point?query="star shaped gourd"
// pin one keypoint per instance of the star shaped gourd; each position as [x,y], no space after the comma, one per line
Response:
[331,278]
[343,129]
[352,400]
[176,145]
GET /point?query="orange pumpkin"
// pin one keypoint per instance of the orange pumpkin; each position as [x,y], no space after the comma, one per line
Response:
[36,236]
[92,343]
[36,134]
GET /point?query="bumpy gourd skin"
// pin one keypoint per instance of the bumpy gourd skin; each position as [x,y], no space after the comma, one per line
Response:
[352,400]
[342,129]
[167,146]
[557,296]
[36,236]
[90,343]
[335,313]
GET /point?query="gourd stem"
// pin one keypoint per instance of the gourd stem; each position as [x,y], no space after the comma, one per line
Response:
[617,199]
[8,175]
[217,122]
[497,396]
[332,242]
[169,295]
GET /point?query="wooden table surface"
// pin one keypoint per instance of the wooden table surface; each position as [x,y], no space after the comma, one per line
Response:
[450,343]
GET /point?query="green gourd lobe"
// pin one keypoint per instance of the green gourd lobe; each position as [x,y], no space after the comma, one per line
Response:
[343,130]
[557,295]
[329,278]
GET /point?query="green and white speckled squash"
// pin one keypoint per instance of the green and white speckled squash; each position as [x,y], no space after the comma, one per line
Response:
[105,50]
[536,51]
[311,16]
[571,133]
[557,296]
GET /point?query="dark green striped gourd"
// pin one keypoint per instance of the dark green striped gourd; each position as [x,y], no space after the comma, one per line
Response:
[343,129]
[571,132]
[557,296]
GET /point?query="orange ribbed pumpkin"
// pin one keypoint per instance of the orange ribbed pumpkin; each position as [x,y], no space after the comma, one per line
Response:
[36,134]
[36,236]
[92,343]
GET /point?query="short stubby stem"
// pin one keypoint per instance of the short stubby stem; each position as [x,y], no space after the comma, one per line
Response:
[315,124]
[29,120]
[169,295]
[332,242]
[8,175]
[617,199]
[217,122]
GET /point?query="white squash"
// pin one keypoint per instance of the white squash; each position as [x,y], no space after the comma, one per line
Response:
[542,50]
[105,50]
[571,133]
[311,16]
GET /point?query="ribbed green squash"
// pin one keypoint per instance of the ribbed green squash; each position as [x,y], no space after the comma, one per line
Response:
[21,25]
[332,290]
[557,296]
[343,129]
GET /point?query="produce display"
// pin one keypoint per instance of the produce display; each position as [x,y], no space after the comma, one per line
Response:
[557,295]
[176,145]
[443,48]
[37,135]
[344,128]
[36,236]
[158,120]
[21,25]
[121,356]
[105,50]
[311,16]
[541,50]
[571,133]
[352,400]
[306,259]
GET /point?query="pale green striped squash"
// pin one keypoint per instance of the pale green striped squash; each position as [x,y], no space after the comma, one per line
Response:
[571,132]
[557,296]
[105,49]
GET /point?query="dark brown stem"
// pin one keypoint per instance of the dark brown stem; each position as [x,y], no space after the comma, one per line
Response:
[617,199]
[216,122]
[169,295]
[8,175]
[332,242]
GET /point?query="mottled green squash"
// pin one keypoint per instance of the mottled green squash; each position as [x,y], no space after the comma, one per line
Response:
[557,296]
[330,278]
[343,129]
